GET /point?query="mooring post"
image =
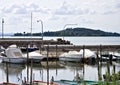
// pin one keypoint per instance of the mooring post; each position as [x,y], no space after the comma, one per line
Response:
[27,54]
[27,63]
[97,54]
[40,49]
[47,65]
[100,51]
[83,53]
[56,58]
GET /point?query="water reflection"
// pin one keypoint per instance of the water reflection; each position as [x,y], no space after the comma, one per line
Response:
[11,72]
[59,70]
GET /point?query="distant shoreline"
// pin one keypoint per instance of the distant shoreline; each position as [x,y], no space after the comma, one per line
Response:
[71,32]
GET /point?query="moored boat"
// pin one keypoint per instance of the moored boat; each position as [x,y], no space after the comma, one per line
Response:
[82,82]
[13,55]
[44,83]
[74,56]
[5,83]
[34,56]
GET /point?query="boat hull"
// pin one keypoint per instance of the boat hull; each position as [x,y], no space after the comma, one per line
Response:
[70,59]
[14,60]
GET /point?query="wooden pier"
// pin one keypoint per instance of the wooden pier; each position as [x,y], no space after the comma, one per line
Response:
[79,47]
[23,42]
[59,44]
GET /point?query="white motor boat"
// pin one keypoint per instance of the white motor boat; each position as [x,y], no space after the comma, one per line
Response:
[13,55]
[88,53]
[72,56]
[34,56]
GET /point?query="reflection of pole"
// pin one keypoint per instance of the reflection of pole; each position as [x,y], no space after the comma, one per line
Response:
[99,70]
[31,72]
[7,72]
[64,29]
[2,28]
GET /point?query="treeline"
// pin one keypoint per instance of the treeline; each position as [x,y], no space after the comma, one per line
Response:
[72,32]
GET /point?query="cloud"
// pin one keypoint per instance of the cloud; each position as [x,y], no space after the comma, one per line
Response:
[16,9]
[67,9]
[24,9]
[89,7]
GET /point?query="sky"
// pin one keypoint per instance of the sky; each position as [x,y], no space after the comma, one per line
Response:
[59,14]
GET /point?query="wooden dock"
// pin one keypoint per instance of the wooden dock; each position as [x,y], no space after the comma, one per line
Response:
[79,47]
[23,42]
[55,46]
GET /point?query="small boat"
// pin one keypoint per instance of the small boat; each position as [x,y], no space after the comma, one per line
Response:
[74,56]
[5,83]
[13,55]
[34,56]
[82,82]
[44,83]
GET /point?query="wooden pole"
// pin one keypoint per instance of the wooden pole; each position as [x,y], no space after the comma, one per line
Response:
[83,53]
[100,51]
[56,58]
[47,65]
[40,49]
[27,64]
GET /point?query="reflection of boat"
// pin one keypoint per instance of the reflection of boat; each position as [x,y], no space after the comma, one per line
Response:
[34,56]
[75,56]
[51,64]
[13,68]
[72,64]
[13,55]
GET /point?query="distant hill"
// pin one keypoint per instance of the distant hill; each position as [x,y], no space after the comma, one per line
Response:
[73,32]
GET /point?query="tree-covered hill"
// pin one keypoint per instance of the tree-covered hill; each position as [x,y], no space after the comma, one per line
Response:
[72,32]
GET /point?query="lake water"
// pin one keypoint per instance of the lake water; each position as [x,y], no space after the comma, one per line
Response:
[62,71]
[84,40]
[91,40]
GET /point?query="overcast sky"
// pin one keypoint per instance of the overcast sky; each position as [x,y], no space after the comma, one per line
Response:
[55,14]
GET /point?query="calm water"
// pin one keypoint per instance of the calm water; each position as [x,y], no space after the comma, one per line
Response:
[90,40]
[60,71]
[87,40]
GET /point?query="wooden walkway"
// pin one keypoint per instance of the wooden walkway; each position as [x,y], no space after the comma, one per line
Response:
[23,42]
[54,45]
[78,47]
